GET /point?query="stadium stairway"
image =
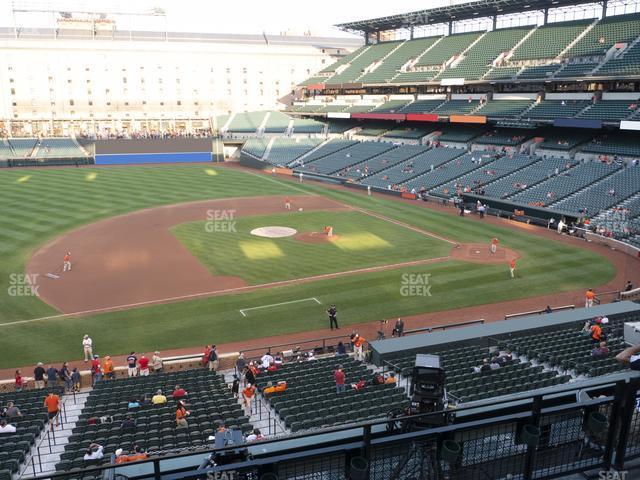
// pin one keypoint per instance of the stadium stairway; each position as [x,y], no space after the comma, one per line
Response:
[310,152]
[577,39]
[267,150]
[45,454]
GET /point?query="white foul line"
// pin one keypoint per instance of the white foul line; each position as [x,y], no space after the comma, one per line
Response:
[278,304]
[192,296]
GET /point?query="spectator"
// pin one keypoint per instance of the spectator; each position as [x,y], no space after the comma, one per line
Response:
[249,375]
[272,367]
[133,404]
[629,286]
[94,452]
[548,309]
[271,389]
[254,436]
[143,363]
[12,411]
[178,393]
[494,364]
[485,367]
[52,376]
[96,370]
[378,379]
[596,331]
[339,377]
[311,356]
[132,364]
[136,454]
[241,364]
[87,347]
[391,379]
[352,340]
[52,402]
[76,379]
[65,376]
[38,376]
[159,398]
[247,395]
[156,362]
[340,349]
[630,357]
[20,382]
[213,358]
[6,428]
[398,329]
[128,424]
[205,355]
[235,386]
[278,359]
[359,386]
[181,415]
[266,360]
[359,347]
[600,351]
[108,369]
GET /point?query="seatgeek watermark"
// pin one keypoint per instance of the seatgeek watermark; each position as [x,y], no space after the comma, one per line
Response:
[221,221]
[222,475]
[613,475]
[415,285]
[23,285]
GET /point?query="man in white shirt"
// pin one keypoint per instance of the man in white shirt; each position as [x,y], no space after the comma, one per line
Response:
[6,428]
[266,360]
[94,452]
[87,346]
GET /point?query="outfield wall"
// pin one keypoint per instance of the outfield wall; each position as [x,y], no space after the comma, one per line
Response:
[153,145]
[146,158]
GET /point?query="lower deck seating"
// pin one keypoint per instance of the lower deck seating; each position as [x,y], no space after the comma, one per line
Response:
[311,400]
[209,400]
[255,146]
[285,150]
[15,446]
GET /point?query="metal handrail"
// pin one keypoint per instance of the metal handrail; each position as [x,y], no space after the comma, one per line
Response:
[538,312]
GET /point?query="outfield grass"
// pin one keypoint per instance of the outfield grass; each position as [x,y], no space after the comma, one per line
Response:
[361,241]
[50,202]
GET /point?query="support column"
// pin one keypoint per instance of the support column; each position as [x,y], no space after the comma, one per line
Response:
[495,22]
[366,38]
[546,16]
[450,27]
[411,33]
[605,4]
[378,36]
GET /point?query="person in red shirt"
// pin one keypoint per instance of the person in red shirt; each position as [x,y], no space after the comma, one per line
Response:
[494,244]
[52,402]
[359,386]
[339,377]
[143,364]
[20,382]
[66,262]
[179,392]
[287,203]
[205,355]
[512,267]
[96,370]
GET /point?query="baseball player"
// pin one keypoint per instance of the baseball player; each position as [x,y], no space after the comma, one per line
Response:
[66,262]
[512,267]
[287,203]
[494,245]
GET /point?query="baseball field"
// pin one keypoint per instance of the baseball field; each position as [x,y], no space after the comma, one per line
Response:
[163,258]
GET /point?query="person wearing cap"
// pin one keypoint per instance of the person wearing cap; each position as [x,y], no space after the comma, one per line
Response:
[96,370]
[87,346]
[156,362]
[66,262]
[589,296]
[38,376]
[107,368]
[159,398]
[596,330]
[213,358]
[178,393]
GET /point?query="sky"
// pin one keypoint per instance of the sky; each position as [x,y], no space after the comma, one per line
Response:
[237,16]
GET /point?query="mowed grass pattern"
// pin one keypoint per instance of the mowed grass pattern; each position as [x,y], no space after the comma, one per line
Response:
[360,241]
[38,205]
[56,200]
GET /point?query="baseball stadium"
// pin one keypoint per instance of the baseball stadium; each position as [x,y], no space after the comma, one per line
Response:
[403,247]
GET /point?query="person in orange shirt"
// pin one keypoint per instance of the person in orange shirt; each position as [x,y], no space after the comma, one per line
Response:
[136,455]
[181,415]
[358,346]
[589,297]
[512,267]
[66,262]
[279,387]
[247,396]
[287,203]
[107,368]
[52,402]
[494,244]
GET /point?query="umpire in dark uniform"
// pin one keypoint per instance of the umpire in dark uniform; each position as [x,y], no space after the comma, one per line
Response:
[331,311]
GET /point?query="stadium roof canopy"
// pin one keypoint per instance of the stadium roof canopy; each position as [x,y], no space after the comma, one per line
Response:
[454,13]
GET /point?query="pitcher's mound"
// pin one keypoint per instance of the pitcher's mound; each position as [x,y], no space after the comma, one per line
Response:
[481,253]
[274,232]
[315,237]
